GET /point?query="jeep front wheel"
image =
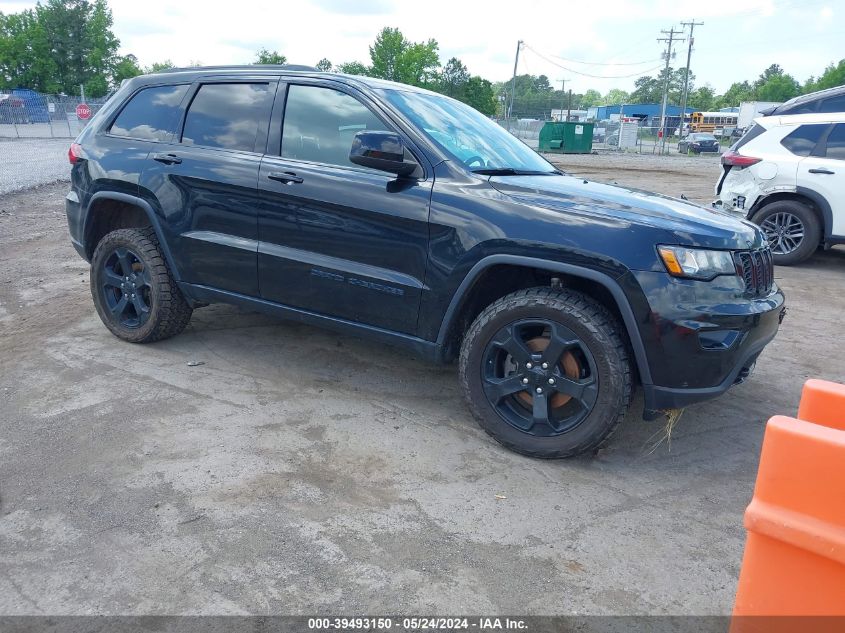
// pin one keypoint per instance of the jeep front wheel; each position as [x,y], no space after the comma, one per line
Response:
[546,372]
[133,291]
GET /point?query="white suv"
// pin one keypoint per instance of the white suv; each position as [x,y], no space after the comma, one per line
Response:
[787,174]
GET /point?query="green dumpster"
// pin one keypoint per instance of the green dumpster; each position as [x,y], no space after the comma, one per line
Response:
[566,137]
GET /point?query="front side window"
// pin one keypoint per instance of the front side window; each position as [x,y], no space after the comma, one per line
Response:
[466,134]
[836,142]
[227,116]
[151,113]
[803,139]
[320,124]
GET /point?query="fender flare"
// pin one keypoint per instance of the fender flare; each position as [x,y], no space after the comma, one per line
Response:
[608,282]
[151,215]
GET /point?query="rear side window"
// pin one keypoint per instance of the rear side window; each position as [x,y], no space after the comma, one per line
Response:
[320,124]
[803,139]
[151,113]
[227,115]
[753,132]
[836,142]
[833,104]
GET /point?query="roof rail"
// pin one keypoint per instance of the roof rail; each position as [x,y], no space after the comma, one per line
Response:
[299,67]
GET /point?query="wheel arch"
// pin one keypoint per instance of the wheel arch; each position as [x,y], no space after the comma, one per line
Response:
[110,210]
[817,202]
[598,285]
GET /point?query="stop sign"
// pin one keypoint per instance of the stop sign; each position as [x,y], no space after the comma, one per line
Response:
[83,111]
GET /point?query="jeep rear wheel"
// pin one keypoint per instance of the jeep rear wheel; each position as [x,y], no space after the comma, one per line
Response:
[133,291]
[792,229]
[546,372]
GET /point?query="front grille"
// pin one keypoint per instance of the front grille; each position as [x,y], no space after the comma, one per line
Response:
[757,270]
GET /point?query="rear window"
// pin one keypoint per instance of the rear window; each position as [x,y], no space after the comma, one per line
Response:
[151,114]
[227,115]
[753,132]
[803,139]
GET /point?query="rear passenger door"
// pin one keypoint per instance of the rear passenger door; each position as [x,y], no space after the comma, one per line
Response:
[203,183]
[336,238]
[823,171]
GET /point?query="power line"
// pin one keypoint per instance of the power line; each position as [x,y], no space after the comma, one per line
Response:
[576,61]
[583,74]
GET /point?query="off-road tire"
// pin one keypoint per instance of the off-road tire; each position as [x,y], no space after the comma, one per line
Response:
[595,326]
[169,312]
[812,229]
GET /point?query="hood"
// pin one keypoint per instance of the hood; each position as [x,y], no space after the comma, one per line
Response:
[688,224]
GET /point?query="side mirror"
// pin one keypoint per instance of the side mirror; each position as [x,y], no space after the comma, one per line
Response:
[381,150]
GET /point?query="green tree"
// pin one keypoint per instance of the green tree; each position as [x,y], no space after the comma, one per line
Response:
[324,65]
[353,68]
[649,89]
[833,75]
[775,85]
[395,58]
[264,56]
[591,98]
[125,67]
[703,98]
[738,92]
[616,96]
[453,77]
[157,67]
[479,94]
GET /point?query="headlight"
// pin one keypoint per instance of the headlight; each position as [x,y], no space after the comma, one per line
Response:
[696,263]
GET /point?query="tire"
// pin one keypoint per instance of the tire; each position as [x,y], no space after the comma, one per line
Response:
[591,373]
[795,218]
[150,310]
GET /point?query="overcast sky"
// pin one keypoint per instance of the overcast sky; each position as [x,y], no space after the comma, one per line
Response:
[739,38]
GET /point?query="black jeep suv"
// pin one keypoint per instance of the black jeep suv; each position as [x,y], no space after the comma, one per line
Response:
[403,215]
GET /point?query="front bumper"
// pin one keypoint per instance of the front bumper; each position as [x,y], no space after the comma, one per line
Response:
[701,338]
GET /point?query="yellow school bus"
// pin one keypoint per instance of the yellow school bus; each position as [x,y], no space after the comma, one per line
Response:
[710,121]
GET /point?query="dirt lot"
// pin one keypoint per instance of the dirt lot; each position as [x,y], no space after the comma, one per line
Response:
[297,471]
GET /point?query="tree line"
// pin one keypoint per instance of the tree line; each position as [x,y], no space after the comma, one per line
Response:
[62,45]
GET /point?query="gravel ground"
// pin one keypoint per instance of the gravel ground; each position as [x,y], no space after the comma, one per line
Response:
[298,471]
[29,162]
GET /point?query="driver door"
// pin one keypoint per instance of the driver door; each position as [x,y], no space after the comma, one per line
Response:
[336,238]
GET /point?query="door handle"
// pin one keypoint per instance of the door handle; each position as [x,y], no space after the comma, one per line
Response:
[167,159]
[821,170]
[286,177]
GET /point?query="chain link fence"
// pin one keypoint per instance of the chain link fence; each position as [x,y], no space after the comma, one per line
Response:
[36,130]
[29,114]
[636,136]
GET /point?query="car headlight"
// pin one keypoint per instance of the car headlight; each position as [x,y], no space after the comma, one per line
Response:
[696,263]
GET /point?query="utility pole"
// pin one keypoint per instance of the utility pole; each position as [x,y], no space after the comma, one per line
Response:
[513,82]
[562,96]
[692,24]
[569,105]
[669,40]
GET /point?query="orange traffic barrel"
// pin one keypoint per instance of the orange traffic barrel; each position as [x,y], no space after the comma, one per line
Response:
[794,562]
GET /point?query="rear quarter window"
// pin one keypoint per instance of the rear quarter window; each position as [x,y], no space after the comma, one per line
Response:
[833,104]
[150,114]
[803,139]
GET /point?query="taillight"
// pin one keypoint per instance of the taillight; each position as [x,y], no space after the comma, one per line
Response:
[738,160]
[74,153]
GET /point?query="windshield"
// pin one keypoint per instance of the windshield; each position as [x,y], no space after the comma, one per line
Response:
[466,134]
[703,137]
